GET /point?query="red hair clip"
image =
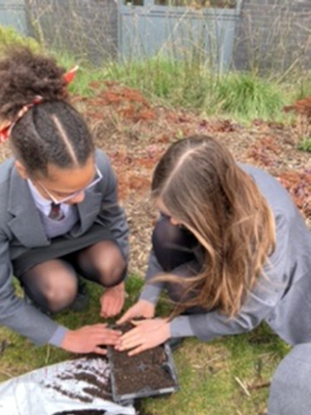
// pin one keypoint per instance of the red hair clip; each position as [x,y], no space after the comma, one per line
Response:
[70,75]
[4,131]
[6,127]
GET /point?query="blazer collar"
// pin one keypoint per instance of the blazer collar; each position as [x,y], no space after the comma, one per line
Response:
[88,210]
[26,223]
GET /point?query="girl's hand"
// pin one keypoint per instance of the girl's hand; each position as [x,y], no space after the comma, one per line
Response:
[141,309]
[112,301]
[146,335]
[90,339]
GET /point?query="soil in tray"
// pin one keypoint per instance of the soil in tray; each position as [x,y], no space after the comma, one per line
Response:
[143,371]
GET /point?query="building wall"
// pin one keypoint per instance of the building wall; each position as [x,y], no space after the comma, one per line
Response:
[273,34]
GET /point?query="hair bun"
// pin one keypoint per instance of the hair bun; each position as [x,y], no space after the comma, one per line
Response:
[24,75]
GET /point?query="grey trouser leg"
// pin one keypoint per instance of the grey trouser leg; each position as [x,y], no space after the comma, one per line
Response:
[290,392]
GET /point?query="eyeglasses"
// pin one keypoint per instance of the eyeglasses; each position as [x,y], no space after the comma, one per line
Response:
[98,177]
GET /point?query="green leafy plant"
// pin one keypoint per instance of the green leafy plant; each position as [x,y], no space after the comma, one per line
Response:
[9,37]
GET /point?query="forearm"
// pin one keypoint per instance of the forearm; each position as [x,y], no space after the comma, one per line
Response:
[210,325]
[206,327]
[181,327]
[29,322]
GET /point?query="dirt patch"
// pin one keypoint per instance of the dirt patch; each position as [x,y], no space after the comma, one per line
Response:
[94,382]
[135,133]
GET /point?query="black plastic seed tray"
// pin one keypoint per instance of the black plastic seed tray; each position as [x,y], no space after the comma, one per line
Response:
[150,373]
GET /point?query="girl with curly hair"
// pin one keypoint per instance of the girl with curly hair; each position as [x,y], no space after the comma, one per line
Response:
[59,213]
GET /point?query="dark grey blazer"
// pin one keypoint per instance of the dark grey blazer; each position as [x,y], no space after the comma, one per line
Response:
[21,231]
[282,297]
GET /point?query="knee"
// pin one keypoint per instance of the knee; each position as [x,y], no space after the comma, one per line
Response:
[290,391]
[165,234]
[172,245]
[51,285]
[61,290]
[112,274]
[111,267]
[61,296]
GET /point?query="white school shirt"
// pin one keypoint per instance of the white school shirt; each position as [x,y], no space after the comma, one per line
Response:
[53,227]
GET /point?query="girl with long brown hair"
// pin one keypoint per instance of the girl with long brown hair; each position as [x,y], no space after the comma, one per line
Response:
[230,247]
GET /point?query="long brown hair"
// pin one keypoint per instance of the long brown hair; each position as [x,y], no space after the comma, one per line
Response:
[202,186]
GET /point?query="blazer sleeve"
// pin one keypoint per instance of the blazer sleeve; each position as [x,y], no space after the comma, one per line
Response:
[111,214]
[151,290]
[258,305]
[14,312]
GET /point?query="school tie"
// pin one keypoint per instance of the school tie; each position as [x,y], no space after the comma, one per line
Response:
[56,212]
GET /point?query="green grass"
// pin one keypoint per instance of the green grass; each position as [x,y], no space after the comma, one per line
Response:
[247,96]
[9,37]
[86,75]
[210,374]
[305,145]
[188,83]
[207,372]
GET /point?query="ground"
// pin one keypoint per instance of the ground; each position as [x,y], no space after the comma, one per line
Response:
[227,376]
[135,133]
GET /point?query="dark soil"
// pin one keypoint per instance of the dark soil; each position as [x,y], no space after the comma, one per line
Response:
[140,375]
[96,384]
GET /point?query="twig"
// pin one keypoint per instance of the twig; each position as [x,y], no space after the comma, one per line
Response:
[48,353]
[243,386]
[259,385]
[9,375]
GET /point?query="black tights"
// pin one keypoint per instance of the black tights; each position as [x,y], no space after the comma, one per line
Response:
[53,284]
[178,252]
[173,245]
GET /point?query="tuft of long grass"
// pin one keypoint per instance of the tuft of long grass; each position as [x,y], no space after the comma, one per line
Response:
[305,144]
[187,84]
[246,96]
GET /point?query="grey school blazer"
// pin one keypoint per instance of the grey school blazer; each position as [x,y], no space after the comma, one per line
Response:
[21,231]
[282,297]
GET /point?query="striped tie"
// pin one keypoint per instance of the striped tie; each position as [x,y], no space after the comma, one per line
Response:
[56,212]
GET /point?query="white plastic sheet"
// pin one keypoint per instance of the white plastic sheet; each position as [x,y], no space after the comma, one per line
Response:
[75,385]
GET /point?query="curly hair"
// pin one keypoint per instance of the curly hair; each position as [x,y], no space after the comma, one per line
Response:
[52,132]
[202,187]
